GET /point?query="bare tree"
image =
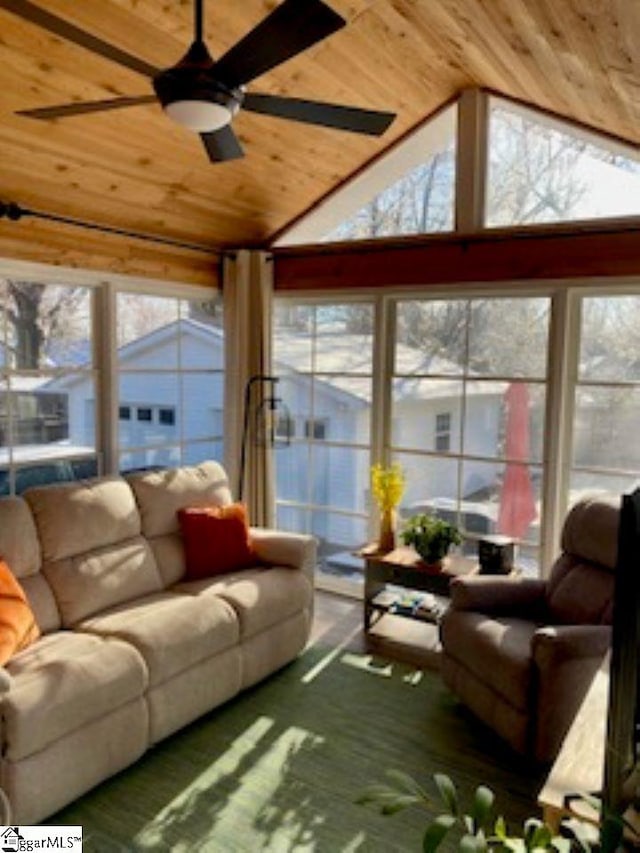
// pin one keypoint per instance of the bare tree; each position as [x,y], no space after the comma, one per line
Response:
[533,172]
[38,316]
[419,202]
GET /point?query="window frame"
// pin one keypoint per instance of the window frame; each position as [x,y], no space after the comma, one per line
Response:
[103,288]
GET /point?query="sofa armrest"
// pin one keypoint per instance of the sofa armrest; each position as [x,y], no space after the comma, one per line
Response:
[491,594]
[293,550]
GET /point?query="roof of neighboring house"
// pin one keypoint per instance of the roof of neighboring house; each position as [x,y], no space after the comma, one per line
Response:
[129,352]
[341,363]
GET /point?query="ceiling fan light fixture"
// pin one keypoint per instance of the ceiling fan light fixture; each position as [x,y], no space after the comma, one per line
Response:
[199,115]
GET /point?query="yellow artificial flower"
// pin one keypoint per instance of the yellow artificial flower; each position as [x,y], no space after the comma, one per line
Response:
[387,485]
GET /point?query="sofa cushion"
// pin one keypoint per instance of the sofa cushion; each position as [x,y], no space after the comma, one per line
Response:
[216,540]
[18,626]
[73,518]
[169,553]
[496,650]
[261,596]
[172,632]
[160,494]
[40,597]
[91,582]
[63,682]
[19,544]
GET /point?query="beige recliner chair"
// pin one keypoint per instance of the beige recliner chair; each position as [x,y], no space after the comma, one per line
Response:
[521,652]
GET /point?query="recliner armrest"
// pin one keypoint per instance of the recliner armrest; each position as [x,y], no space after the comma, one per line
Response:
[554,644]
[491,594]
[567,657]
[281,548]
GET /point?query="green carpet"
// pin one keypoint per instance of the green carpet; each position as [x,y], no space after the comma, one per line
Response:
[279,767]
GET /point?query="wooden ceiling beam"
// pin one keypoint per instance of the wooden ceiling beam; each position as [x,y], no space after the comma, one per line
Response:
[442,260]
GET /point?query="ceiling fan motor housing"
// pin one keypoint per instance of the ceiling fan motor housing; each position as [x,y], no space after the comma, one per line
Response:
[194,79]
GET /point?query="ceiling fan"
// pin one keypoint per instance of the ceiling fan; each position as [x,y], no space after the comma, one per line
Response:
[204,95]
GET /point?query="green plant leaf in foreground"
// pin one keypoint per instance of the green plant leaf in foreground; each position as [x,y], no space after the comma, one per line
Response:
[482,804]
[407,783]
[473,844]
[389,800]
[472,828]
[436,832]
[448,792]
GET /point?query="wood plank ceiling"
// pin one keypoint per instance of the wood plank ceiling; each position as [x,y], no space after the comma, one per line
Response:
[134,169]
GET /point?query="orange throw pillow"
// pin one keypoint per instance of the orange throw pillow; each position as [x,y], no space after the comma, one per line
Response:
[216,540]
[18,626]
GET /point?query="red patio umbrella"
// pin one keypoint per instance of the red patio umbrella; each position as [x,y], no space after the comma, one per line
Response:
[517,503]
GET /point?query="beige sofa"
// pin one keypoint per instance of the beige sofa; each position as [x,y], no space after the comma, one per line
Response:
[521,653]
[128,652]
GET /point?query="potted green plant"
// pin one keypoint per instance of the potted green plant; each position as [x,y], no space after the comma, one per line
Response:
[479,830]
[430,536]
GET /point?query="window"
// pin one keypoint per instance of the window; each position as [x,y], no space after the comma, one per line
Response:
[171,358]
[285,427]
[606,454]
[124,413]
[47,383]
[542,170]
[488,443]
[315,428]
[144,414]
[443,431]
[167,417]
[409,190]
[323,355]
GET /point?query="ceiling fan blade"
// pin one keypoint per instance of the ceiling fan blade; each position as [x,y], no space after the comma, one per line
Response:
[222,145]
[59,27]
[353,119]
[83,107]
[292,27]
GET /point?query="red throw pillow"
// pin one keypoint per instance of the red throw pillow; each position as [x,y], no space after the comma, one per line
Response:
[18,626]
[216,540]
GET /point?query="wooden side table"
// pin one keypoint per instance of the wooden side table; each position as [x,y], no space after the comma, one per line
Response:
[404,568]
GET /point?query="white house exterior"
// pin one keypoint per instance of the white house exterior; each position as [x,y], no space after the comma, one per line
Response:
[168,394]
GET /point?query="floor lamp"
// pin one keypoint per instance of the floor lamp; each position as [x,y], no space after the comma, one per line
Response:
[261,411]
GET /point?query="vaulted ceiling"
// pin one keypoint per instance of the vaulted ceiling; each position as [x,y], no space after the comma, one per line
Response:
[134,169]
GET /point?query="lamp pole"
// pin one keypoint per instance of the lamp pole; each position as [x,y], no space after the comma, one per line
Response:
[260,380]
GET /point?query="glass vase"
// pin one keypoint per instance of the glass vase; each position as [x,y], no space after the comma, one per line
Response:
[387,532]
